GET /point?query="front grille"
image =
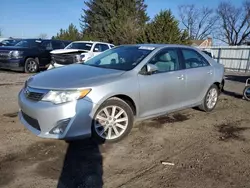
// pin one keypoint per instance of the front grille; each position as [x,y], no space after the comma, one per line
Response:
[34,94]
[64,59]
[4,54]
[31,121]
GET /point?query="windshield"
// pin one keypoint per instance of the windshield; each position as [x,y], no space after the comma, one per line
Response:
[79,45]
[28,43]
[10,42]
[120,58]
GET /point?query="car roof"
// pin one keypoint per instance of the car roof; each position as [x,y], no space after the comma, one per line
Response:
[92,42]
[44,39]
[161,45]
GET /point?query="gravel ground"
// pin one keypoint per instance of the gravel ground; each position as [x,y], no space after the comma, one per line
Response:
[204,149]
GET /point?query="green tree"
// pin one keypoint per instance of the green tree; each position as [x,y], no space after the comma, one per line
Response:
[164,29]
[71,33]
[115,21]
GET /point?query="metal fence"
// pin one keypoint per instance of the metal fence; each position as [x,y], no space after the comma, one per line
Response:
[235,58]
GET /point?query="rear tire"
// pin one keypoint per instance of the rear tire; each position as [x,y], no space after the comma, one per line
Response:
[31,65]
[113,121]
[210,100]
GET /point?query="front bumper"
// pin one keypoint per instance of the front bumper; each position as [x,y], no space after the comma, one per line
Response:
[12,64]
[54,65]
[41,117]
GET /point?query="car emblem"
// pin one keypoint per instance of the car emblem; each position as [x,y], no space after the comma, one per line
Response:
[26,92]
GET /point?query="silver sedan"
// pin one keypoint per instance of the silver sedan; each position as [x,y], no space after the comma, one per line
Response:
[104,96]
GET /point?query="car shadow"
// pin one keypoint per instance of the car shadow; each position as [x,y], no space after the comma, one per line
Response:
[233,94]
[9,71]
[83,162]
[237,78]
[83,165]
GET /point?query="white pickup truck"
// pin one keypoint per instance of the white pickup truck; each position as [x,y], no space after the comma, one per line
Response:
[77,52]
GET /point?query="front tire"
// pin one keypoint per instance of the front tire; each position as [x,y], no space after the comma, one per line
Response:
[31,65]
[210,100]
[246,94]
[113,121]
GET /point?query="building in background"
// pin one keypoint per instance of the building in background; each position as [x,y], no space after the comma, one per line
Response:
[202,43]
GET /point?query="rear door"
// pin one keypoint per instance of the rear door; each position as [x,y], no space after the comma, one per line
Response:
[199,74]
[162,91]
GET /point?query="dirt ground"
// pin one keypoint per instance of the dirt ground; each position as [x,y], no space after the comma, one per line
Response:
[206,149]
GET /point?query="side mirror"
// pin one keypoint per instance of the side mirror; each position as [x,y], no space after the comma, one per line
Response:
[96,50]
[151,68]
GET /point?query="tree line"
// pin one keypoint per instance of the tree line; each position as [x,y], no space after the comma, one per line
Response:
[126,22]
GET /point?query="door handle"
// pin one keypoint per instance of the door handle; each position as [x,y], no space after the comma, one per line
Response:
[210,72]
[181,77]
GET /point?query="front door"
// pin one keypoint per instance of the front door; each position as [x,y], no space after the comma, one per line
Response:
[161,92]
[45,49]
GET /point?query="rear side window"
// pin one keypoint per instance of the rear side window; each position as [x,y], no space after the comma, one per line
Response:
[57,45]
[193,59]
[101,47]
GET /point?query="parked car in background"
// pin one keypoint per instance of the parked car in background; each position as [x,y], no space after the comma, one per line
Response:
[77,52]
[106,94]
[29,55]
[9,42]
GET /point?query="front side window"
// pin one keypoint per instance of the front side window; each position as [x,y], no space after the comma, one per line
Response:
[80,45]
[193,59]
[47,45]
[57,45]
[166,60]
[120,58]
[101,47]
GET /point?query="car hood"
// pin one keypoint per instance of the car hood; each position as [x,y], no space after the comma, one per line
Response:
[62,51]
[13,48]
[72,77]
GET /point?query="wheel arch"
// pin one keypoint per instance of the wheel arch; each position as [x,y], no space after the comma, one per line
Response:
[127,100]
[34,57]
[220,85]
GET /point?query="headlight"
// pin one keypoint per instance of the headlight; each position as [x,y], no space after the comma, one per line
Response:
[80,58]
[16,54]
[58,97]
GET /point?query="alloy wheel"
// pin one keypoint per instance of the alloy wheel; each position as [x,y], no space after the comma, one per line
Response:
[32,66]
[212,98]
[111,122]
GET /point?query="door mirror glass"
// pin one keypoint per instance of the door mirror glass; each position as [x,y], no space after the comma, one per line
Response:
[151,68]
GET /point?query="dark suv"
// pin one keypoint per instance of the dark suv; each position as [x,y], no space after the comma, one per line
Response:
[29,55]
